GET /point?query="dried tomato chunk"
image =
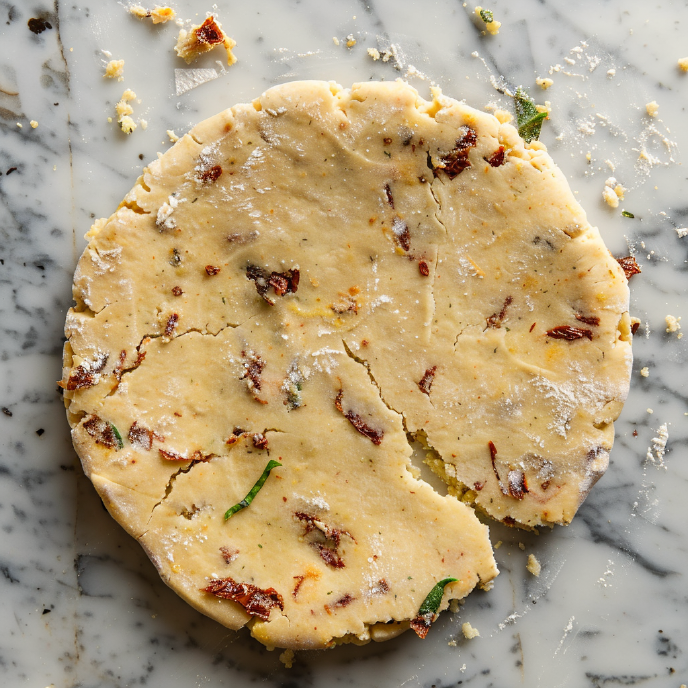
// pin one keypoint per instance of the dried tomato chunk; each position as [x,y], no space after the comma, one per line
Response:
[209,32]
[629,265]
[426,381]
[456,161]
[569,333]
[256,601]
[497,158]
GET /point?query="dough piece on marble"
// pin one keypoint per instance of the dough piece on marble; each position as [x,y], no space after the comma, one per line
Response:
[203,38]
[306,279]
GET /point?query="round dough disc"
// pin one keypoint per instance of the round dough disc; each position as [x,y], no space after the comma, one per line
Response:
[313,279]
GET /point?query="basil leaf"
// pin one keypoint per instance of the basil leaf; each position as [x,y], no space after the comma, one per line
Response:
[118,437]
[528,118]
[487,16]
[432,602]
[253,491]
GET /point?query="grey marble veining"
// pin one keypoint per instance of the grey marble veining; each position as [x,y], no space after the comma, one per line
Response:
[81,604]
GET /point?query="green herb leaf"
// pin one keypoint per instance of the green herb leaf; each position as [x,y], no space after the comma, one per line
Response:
[118,437]
[625,213]
[432,602]
[528,118]
[487,16]
[253,491]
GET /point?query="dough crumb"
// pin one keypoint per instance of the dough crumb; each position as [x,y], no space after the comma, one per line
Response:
[374,53]
[521,546]
[486,16]
[454,606]
[544,84]
[672,323]
[350,41]
[335,40]
[114,70]
[173,137]
[452,643]
[681,231]
[469,632]
[203,38]
[287,658]
[498,545]
[533,565]
[158,14]
[124,112]
[33,123]
[144,124]
[612,192]
[645,372]
[611,72]
[683,66]
[652,108]
[127,124]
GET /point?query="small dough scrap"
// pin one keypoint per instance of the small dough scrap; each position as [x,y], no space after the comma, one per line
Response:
[683,64]
[203,38]
[544,83]
[652,108]
[114,69]
[469,632]
[159,15]
[533,565]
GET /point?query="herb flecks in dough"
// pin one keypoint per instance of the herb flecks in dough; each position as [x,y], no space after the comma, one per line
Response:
[569,333]
[256,601]
[374,435]
[629,265]
[428,610]
[527,115]
[281,282]
[329,548]
[426,381]
[104,432]
[456,161]
[253,491]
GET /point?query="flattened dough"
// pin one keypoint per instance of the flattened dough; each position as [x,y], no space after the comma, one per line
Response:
[309,279]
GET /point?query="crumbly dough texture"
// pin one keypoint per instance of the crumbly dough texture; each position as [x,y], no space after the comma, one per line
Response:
[311,278]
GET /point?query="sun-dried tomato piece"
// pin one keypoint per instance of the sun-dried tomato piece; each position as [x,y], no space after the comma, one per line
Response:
[212,270]
[401,233]
[171,324]
[388,194]
[142,437]
[343,601]
[629,266]
[103,432]
[172,456]
[256,601]
[253,368]
[423,268]
[569,333]
[209,32]
[495,320]
[421,625]
[497,158]
[477,486]
[516,486]
[260,441]
[229,554]
[426,381]
[588,319]
[374,435]
[79,378]
[209,175]
[456,161]
[382,587]
[634,327]
[281,282]
[177,291]
[329,556]
[327,550]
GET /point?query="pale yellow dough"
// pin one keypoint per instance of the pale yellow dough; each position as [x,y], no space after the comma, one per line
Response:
[422,309]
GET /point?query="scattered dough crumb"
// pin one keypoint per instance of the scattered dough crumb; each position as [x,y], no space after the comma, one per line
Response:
[521,546]
[498,545]
[650,410]
[469,632]
[611,72]
[645,372]
[114,69]
[350,41]
[173,137]
[452,643]
[544,84]
[287,658]
[33,123]
[203,38]
[683,64]
[454,606]
[652,108]
[374,53]
[533,565]
[610,165]
[681,231]
[20,125]
[124,110]
[659,444]
[144,124]
[613,192]
[158,14]
[672,323]
[335,40]
[491,25]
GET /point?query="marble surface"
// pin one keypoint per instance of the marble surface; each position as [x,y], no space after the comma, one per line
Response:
[81,604]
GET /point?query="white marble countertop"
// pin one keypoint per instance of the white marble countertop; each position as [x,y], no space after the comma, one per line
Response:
[81,604]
